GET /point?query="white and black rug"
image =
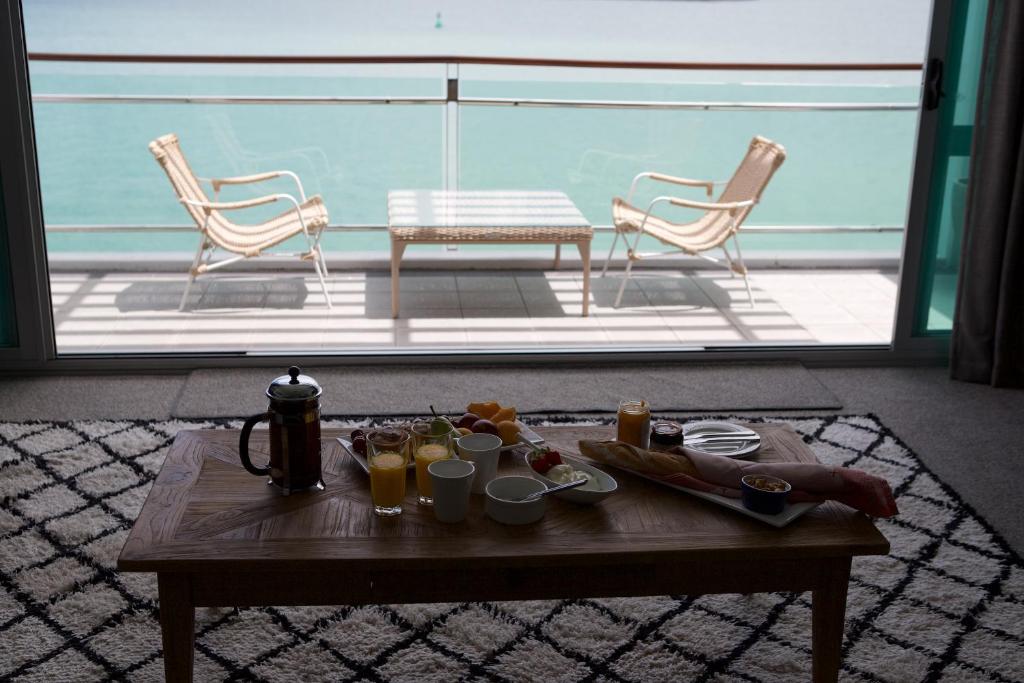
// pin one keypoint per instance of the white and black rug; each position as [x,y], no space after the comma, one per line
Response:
[946,605]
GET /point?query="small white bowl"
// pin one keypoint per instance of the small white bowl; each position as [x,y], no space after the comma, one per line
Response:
[504,500]
[584,495]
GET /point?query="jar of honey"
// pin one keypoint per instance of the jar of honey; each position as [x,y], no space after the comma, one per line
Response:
[634,423]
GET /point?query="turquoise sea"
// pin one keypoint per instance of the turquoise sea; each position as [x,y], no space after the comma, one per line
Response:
[843,168]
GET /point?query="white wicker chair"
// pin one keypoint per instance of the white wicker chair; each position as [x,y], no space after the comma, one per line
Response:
[307,217]
[721,219]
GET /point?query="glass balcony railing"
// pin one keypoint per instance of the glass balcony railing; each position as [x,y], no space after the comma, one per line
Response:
[353,131]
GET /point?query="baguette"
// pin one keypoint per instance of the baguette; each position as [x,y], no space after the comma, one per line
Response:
[619,454]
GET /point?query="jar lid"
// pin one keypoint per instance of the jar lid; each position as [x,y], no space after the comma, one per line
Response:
[294,386]
[667,427]
[637,406]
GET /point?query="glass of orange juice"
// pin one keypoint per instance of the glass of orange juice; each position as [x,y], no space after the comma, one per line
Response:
[387,454]
[428,448]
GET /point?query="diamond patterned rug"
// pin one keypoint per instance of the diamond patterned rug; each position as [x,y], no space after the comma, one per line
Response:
[946,605]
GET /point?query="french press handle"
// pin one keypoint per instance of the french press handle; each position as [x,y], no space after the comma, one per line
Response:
[243,444]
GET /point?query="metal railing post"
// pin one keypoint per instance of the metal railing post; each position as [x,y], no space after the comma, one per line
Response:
[451,128]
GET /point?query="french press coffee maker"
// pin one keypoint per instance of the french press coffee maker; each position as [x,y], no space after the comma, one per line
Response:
[294,415]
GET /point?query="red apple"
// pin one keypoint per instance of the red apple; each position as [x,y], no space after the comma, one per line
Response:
[484,427]
[467,420]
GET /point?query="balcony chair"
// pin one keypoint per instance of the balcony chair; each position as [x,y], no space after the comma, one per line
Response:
[307,217]
[721,220]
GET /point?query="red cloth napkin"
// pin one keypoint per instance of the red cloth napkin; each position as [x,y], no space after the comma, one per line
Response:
[811,483]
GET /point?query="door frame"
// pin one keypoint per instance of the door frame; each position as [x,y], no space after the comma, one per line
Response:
[914,241]
[22,203]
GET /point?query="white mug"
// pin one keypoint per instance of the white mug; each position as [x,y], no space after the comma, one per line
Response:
[483,450]
[451,481]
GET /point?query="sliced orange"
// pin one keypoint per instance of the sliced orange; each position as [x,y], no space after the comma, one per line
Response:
[484,410]
[508,413]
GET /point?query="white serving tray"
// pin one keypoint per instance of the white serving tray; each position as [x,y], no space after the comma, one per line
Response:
[789,513]
[360,460]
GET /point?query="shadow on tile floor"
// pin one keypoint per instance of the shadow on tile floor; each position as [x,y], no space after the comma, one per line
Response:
[161,295]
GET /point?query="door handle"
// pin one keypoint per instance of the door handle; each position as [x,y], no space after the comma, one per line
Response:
[933,84]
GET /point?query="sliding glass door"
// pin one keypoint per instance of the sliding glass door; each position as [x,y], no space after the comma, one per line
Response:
[822,247]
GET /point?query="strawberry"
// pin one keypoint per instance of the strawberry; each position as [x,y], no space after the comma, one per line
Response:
[542,462]
[539,463]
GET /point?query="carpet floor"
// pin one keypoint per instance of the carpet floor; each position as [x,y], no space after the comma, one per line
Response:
[389,390]
[946,605]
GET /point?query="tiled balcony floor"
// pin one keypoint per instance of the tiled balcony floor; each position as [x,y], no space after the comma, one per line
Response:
[116,312]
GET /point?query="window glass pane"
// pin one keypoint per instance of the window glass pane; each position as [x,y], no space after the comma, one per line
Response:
[350,156]
[328,91]
[843,168]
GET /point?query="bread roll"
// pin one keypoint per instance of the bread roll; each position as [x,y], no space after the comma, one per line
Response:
[619,454]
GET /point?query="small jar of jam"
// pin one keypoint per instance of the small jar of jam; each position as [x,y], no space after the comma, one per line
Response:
[666,435]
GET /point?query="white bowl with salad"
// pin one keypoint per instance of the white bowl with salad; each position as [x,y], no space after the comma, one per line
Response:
[552,468]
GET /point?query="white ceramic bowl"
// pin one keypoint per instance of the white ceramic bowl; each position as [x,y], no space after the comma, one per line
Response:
[503,502]
[604,484]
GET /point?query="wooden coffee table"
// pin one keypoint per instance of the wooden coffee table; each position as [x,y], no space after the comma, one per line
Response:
[218,536]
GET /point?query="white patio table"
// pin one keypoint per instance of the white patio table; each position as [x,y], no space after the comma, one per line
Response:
[485,217]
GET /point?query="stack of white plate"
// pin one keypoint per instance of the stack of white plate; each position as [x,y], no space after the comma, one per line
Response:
[715,438]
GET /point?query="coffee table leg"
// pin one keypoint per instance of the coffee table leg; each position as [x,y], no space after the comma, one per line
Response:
[584,248]
[558,255]
[828,619]
[177,623]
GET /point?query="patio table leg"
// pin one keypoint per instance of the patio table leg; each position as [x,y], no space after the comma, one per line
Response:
[828,617]
[397,249]
[584,247]
[177,624]
[558,255]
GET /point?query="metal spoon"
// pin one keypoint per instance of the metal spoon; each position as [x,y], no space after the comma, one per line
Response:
[554,489]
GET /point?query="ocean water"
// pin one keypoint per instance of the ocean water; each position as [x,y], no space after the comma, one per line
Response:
[843,168]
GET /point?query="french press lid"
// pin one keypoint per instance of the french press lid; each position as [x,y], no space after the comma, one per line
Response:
[294,386]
